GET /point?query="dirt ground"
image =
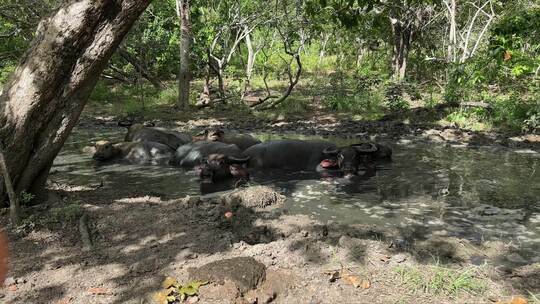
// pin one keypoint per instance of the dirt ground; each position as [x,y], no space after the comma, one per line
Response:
[138,240]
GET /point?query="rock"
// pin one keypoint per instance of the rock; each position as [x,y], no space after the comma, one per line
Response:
[10,281]
[192,300]
[192,256]
[245,272]
[399,258]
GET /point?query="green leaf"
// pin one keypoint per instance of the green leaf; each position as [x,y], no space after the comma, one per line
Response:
[189,290]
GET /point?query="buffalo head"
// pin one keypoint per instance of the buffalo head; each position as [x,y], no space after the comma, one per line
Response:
[210,135]
[104,150]
[349,158]
[219,167]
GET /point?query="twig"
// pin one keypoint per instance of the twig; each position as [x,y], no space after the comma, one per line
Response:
[85,235]
[14,206]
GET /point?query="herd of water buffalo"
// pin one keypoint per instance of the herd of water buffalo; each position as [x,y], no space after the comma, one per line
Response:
[219,156]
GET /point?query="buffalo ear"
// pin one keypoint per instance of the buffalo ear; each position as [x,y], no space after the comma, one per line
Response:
[237,160]
[219,132]
[365,148]
[330,151]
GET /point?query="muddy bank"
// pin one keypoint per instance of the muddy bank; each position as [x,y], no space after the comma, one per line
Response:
[330,125]
[140,240]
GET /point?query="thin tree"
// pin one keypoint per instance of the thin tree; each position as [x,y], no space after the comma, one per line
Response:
[184,74]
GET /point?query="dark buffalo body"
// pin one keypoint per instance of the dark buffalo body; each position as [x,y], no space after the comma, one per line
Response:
[173,139]
[288,154]
[196,153]
[350,158]
[216,160]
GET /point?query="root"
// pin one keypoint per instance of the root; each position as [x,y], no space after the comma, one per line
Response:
[85,234]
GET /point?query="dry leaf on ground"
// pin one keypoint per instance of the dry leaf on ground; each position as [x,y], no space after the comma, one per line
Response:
[514,300]
[518,300]
[365,284]
[351,279]
[64,300]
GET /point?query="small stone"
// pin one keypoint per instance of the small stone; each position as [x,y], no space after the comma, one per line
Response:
[192,256]
[10,281]
[193,299]
[400,258]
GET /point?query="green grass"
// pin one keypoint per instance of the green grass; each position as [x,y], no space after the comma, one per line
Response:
[534,298]
[468,119]
[440,280]
[356,96]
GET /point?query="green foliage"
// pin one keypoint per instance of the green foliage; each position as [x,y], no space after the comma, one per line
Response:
[354,75]
[26,197]
[68,213]
[394,97]
[5,72]
[514,42]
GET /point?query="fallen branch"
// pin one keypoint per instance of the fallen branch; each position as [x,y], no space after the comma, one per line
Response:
[85,234]
[476,104]
[14,206]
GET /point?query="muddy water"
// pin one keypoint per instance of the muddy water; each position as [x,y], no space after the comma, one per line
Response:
[428,190]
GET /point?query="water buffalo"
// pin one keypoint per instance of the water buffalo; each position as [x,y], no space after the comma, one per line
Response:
[196,153]
[219,167]
[349,158]
[243,141]
[173,139]
[288,154]
[383,152]
[215,160]
[134,152]
[329,167]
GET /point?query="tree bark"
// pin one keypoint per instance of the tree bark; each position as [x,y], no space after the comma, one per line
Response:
[250,62]
[452,38]
[184,74]
[42,101]
[402,41]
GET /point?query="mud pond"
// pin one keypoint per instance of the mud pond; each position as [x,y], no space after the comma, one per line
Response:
[479,194]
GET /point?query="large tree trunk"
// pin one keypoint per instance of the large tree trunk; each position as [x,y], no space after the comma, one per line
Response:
[46,94]
[184,75]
